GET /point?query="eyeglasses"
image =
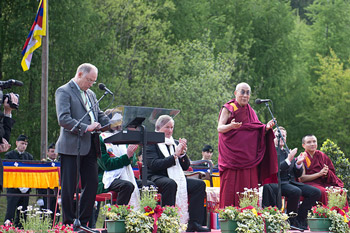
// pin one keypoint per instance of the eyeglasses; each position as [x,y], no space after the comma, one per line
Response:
[91,81]
[245,92]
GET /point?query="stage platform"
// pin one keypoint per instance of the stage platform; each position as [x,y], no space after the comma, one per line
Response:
[218,231]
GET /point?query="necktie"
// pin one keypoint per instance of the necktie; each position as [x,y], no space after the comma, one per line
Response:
[87,105]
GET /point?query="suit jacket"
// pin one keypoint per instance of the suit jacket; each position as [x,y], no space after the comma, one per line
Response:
[289,173]
[157,163]
[70,108]
[6,124]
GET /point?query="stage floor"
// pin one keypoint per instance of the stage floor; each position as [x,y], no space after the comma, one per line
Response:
[218,231]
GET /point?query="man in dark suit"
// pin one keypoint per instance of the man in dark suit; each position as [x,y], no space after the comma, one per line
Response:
[73,100]
[290,170]
[166,163]
[13,202]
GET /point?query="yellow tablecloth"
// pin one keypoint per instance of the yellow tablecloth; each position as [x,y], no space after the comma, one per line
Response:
[30,175]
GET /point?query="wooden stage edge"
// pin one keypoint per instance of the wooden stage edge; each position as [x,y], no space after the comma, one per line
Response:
[218,231]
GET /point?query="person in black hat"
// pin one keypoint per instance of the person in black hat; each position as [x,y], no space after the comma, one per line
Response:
[13,202]
[207,152]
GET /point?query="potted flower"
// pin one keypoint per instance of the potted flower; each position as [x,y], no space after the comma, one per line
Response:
[275,220]
[228,219]
[152,217]
[246,218]
[116,215]
[332,217]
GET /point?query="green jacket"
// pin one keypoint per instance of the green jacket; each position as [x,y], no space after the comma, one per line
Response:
[106,163]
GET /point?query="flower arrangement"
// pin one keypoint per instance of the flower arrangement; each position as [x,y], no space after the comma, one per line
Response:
[250,197]
[152,217]
[339,219]
[229,213]
[249,220]
[336,197]
[275,220]
[116,212]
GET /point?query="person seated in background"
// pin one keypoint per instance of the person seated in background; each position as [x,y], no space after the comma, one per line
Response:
[13,202]
[207,154]
[318,168]
[115,172]
[166,163]
[291,169]
[51,156]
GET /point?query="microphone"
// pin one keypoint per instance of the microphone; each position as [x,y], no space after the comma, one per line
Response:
[260,101]
[104,88]
[9,83]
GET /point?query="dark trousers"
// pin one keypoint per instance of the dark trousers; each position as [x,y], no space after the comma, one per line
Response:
[13,202]
[196,192]
[124,189]
[89,182]
[293,192]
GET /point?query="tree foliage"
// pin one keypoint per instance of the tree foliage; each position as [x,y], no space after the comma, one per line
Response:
[190,55]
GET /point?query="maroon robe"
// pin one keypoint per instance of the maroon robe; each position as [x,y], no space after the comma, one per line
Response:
[247,155]
[315,164]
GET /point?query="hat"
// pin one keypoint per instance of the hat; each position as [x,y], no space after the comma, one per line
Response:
[51,146]
[207,148]
[23,138]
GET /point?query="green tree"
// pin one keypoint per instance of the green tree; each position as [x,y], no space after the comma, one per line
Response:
[330,101]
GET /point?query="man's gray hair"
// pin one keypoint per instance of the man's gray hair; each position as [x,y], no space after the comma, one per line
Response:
[86,68]
[163,120]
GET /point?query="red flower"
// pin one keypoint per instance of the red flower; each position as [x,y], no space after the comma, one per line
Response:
[147,209]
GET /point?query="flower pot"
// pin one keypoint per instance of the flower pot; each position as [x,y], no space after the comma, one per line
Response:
[116,226]
[319,224]
[228,226]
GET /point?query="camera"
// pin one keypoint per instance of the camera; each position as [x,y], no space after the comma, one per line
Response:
[12,105]
[8,84]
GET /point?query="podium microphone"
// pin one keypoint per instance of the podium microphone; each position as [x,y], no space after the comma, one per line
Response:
[260,101]
[104,88]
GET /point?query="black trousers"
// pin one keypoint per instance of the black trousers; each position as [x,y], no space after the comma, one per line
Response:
[196,193]
[13,202]
[89,181]
[293,192]
[124,189]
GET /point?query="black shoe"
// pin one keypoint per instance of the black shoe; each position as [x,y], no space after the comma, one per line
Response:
[294,224]
[194,226]
[303,223]
[88,229]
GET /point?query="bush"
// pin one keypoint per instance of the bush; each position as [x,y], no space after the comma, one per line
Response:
[340,162]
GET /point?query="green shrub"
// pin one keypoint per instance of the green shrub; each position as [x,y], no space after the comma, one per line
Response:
[340,162]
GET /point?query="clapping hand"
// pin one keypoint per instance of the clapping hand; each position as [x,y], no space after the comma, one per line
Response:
[292,154]
[324,171]
[4,146]
[301,158]
[131,150]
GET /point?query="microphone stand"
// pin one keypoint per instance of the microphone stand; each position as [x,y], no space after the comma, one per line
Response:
[76,224]
[279,151]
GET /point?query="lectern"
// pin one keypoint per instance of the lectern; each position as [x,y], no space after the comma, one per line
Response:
[131,123]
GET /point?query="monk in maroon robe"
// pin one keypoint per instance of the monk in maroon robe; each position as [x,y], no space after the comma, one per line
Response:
[319,170]
[247,155]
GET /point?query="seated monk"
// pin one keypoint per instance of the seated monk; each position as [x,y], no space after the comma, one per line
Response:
[318,168]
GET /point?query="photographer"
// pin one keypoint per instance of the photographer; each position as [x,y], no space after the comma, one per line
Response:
[6,123]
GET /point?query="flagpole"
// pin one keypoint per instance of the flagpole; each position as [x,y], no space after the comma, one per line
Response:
[44,85]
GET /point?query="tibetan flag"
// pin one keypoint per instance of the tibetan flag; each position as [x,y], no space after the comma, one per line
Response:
[34,38]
